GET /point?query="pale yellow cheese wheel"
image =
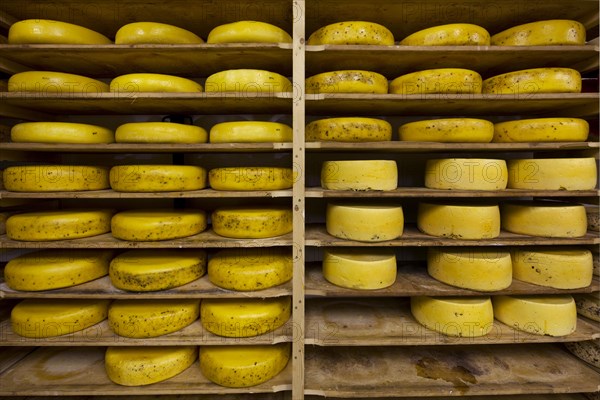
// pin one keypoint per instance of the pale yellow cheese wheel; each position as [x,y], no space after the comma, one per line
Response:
[157,178]
[542,130]
[251,178]
[362,269]
[534,80]
[347,81]
[55,83]
[459,221]
[545,219]
[359,175]
[153,225]
[449,35]
[364,222]
[447,130]
[466,174]
[561,268]
[542,33]
[252,223]
[55,178]
[435,81]
[553,173]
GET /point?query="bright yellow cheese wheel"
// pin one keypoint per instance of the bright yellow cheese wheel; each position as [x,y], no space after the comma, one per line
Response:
[454,316]
[540,315]
[243,366]
[159,83]
[449,35]
[60,132]
[58,225]
[155,33]
[50,82]
[42,318]
[588,351]
[54,269]
[447,130]
[137,366]
[459,221]
[588,305]
[349,129]
[251,268]
[157,178]
[359,175]
[535,80]
[362,269]
[440,80]
[160,132]
[153,225]
[542,33]
[147,318]
[247,81]
[364,222]
[553,173]
[545,219]
[45,31]
[482,269]
[244,317]
[347,81]
[55,178]
[248,32]
[252,223]
[542,130]
[562,268]
[149,269]
[251,178]
[250,132]
[466,174]
[352,32]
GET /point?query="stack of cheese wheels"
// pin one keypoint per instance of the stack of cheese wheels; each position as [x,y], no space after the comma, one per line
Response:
[362,269]
[248,32]
[248,81]
[364,222]
[542,130]
[352,32]
[347,81]
[535,80]
[251,178]
[50,82]
[160,83]
[153,225]
[252,223]
[250,132]
[545,219]
[466,174]
[542,33]
[437,81]
[553,173]
[157,178]
[151,270]
[460,220]
[160,132]
[349,129]
[449,35]
[55,178]
[45,31]
[60,132]
[588,305]
[155,33]
[359,175]
[448,130]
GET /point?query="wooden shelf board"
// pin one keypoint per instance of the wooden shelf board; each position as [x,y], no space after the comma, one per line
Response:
[111,194]
[149,148]
[570,396]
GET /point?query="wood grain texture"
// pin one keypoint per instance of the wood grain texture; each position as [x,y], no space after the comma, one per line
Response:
[419,192]
[150,148]
[111,194]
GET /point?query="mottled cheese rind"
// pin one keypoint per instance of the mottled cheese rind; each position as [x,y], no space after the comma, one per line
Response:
[347,81]
[160,132]
[449,35]
[364,222]
[542,130]
[459,221]
[252,223]
[349,129]
[352,32]
[60,132]
[153,225]
[251,178]
[157,178]
[447,130]
[55,178]
[534,80]
[545,219]
[437,81]
[542,33]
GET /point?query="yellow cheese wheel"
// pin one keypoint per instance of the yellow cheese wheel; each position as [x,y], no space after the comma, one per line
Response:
[352,32]
[349,129]
[362,269]
[364,222]
[540,315]
[60,132]
[545,219]
[244,317]
[466,174]
[251,178]
[359,175]
[553,173]
[157,178]
[58,225]
[542,130]
[50,82]
[440,80]
[252,223]
[482,269]
[243,366]
[588,305]
[588,351]
[153,225]
[160,132]
[459,221]
[147,318]
[454,316]
[155,33]
[563,268]
[449,35]
[347,81]
[42,318]
[248,32]
[535,80]
[54,269]
[248,81]
[55,178]
[542,33]
[150,270]
[447,130]
[159,83]
[250,269]
[137,366]
[45,31]
[250,132]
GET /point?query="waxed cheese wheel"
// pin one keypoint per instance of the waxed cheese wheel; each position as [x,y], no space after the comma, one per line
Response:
[364,222]
[252,223]
[553,173]
[352,32]
[55,178]
[157,178]
[449,35]
[347,81]
[545,219]
[359,175]
[349,129]
[459,221]
[439,80]
[466,174]
[362,269]
[248,32]
[153,225]
[562,268]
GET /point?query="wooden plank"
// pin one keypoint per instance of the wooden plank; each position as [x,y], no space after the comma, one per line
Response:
[10,67]
[149,148]
[12,355]
[6,20]
[111,194]
[417,192]
[572,396]
[9,111]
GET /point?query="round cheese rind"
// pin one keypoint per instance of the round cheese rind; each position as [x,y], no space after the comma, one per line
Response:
[252,223]
[588,305]
[50,82]
[534,80]
[60,132]
[251,178]
[45,31]
[363,222]
[352,32]
[362,269]
[160,132]
[155,83]
[157,178]
[349,129]
[248,81]
[542,33]
[439,80]
[155,33]
[359,175]
[545,219]
[248,32]
[55,178]
[459,221]
[553,173]
[449,35]
[542,130]
[588,351]
[250,132]
[466,174]
[447,130]
[347,81]
[153,225]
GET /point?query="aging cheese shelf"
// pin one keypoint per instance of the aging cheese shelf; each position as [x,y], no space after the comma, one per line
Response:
[111,194]
[150,148]
[412,192]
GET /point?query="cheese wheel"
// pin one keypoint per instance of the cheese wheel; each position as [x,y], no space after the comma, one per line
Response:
[155,33]
[588,351]
[243,366]
[359,175]
[150,270]
[365,223]
[250,269]
[45,31]
[50,82]
[250,132]
[545,219]
[252,223]
[251,178]
[60,132]
[160,132]
[361,269]
[147,318]
[347,81]
[448,130]
[542,33]
[153,225]
[535,80]
[54,269]
[466,174]
[157,178]
[588,305]
[58,225]
[473,268]
[459,221]
[244,317]
[349,129]
[42,318]
[563,268]
[449,35]
[454,316]
[352,32]
[553,174]
[55,178]
[540,315]
[137,366]
[156,83]
[248,81]
[248,32]
[440,80]
[542,130]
